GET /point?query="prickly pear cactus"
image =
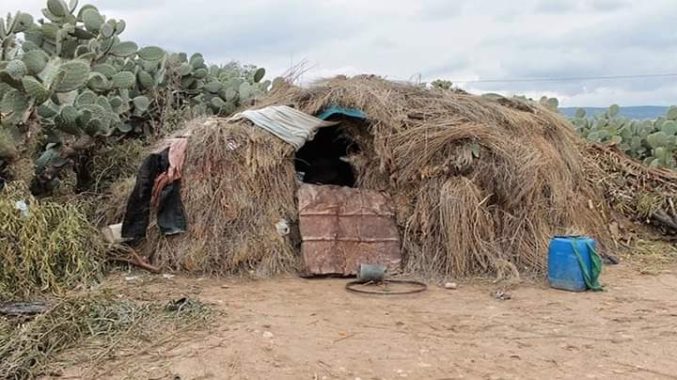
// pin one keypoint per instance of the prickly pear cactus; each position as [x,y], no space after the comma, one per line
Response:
[652,141]
[73,77]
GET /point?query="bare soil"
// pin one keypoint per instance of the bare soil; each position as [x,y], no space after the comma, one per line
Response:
[291,328]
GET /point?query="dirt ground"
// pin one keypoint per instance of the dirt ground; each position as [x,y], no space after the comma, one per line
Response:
[292,328]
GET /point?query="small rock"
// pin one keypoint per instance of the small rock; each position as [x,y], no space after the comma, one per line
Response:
[502,295]
[267,334]
[131,278]
[450,285]
[167,276]
[621,339]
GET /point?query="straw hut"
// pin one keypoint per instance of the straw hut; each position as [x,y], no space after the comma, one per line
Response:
[478,185]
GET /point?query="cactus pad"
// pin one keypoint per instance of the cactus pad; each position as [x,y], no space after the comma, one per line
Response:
[92,19]
[16,69]
[58,8]
[105,69]
[141,103]
[71,76]
[151,53]
[22,22]
[259,74]
[201,73]
[35,89]
[107,30]
[123,79]
[185,69]
[214,87]
[146,80]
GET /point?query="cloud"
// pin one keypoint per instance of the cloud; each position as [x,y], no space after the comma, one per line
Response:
[430,39]
[555,6]
[609,5]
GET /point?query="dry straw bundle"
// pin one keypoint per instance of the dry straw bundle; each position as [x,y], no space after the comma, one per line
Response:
[479,185]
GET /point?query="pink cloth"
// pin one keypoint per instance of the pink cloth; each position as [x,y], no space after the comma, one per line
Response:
[177,155]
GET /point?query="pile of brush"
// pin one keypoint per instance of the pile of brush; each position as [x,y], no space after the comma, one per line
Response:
[644,194]
[95,323]
[45,245]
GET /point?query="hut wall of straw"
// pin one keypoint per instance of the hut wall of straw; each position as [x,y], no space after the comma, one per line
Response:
[479,185]
[238,182]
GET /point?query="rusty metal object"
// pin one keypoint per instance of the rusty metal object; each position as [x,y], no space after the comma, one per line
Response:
[343,227]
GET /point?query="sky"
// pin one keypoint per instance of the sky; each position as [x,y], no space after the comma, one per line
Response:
[459,40]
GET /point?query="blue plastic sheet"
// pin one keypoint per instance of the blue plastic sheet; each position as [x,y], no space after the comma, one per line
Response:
[336,110]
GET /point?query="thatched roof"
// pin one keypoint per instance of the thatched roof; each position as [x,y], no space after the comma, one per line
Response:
[480,185]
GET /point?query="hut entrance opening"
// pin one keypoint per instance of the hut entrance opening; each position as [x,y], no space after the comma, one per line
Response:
[323,160]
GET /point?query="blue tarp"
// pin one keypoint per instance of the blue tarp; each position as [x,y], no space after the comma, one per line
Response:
[336,110]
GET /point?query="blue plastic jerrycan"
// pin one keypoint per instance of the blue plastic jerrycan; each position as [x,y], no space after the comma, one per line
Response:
[564,268]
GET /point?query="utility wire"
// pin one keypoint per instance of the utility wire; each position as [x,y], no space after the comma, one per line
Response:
[567,79]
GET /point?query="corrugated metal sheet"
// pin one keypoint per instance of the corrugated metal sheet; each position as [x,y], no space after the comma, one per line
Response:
[289,124]
[343,227]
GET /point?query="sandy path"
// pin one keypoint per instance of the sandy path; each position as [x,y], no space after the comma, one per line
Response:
[313,329]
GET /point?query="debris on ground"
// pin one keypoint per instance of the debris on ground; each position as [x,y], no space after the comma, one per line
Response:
[26,351]
[23,309]
[501,295]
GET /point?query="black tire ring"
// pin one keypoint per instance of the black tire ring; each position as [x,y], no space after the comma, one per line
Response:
[421,287]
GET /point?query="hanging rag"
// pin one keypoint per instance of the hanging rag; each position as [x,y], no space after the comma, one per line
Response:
[176,155]
[289,124]
[157,185]
[591,277]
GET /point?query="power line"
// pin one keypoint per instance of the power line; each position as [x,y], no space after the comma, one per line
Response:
[568,79]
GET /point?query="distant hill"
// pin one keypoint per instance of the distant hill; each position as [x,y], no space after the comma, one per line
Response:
[638,112]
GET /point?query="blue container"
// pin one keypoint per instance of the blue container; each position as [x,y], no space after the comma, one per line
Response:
[564,271]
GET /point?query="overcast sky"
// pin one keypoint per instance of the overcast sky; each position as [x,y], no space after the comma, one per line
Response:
[459,40]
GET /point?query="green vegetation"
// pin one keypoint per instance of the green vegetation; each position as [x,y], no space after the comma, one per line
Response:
[653,142]
[44,246]
[69,82]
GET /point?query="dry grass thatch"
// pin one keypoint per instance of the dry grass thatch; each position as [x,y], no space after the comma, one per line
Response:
[479,185]
[238,182]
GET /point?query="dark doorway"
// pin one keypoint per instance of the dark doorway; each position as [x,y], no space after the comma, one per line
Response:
[323,160]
